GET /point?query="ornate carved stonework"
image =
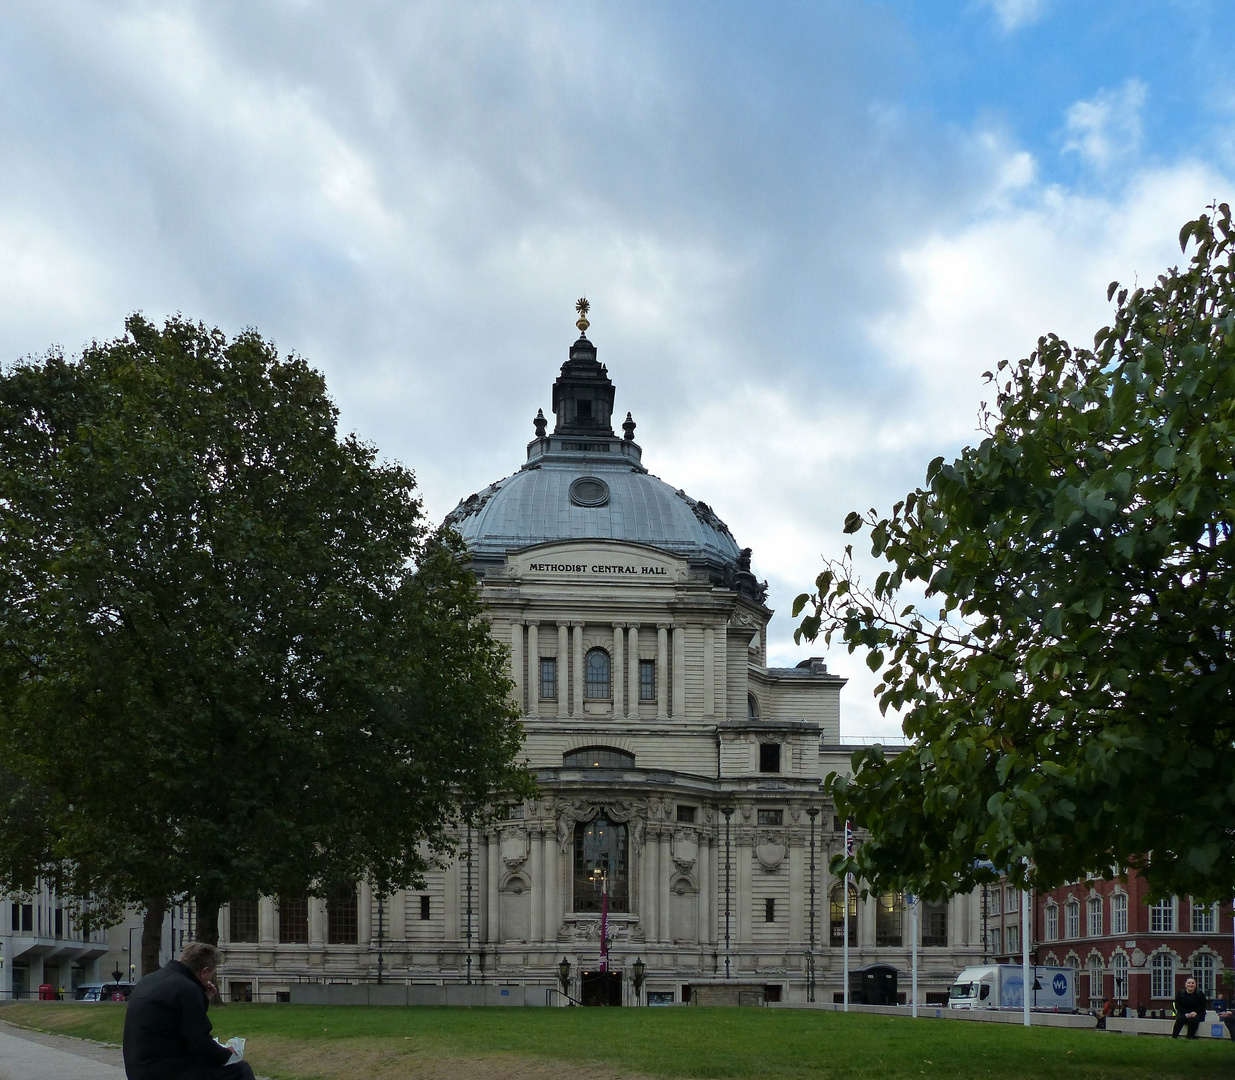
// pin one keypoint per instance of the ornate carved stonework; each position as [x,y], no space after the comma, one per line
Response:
[770,851]
[514,846]
[685,849]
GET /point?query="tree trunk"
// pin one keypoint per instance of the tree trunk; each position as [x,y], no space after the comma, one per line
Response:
[152,933]
[207,929]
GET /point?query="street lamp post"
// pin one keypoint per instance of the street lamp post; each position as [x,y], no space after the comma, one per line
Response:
[728,812]
[637,973]
[563,976]
[812,812]
[132,966]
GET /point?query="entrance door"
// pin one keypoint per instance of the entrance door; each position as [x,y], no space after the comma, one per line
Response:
[602,988]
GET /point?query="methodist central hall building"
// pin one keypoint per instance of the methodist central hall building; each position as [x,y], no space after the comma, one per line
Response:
[674,765]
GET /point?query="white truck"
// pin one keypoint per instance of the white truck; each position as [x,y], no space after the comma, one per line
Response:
[1002,986]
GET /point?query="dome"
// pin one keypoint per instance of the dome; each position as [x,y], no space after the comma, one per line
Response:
[585,483]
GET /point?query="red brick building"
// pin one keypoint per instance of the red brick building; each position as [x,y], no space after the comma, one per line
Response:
[1128,949]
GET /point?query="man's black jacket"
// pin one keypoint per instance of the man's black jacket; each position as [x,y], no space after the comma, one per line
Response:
[166,1030]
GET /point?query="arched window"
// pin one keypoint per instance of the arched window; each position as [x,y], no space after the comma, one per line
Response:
[1162,976]
[1119,913]
[1095,916]
[1162,917]
[1072,919]
[1203,972]
[837,916]
[890,919]
[1119,974]
[752,707]
[1051,932]
[597,686]
[600,862]
[1095,979]
[599,757]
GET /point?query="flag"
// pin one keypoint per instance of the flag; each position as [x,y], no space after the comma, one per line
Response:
[848,838]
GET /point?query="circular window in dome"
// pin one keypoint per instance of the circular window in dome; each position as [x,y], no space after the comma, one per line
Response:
[589,491]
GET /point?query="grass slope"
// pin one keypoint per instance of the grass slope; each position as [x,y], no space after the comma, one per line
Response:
[303,1042]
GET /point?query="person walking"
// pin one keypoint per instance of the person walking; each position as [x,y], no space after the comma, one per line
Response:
[1190,1006]
[166,1030]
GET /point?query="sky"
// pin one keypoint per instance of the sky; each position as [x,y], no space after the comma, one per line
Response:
[805,229]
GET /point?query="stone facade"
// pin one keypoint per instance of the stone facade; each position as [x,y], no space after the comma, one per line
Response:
[671,759]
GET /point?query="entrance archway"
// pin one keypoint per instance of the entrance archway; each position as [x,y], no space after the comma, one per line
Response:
[602,988]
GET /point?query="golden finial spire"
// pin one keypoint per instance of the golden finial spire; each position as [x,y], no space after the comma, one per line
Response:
[582,307]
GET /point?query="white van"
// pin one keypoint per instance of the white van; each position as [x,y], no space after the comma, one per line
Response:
[1001,986]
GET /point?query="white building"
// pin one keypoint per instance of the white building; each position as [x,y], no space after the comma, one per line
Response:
[41,944]
[670,759]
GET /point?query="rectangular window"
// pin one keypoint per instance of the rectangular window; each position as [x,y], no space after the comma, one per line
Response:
[59,923]
[1013,899]
[1095,979]
[548,677]
[1162,917]
[771,817]
[1014,939]
[995,940]
[935,925]
[1203,918]
[1095,916]
[769,757]
[242,921]
[993,896]
[424,908]
[1119,913]
[1051,931]
[769,910]
[647,680]
[293,920]
[686,813]
[342,916]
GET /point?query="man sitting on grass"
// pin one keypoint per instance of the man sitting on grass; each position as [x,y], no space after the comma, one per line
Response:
[1190,1006]
[166,1030]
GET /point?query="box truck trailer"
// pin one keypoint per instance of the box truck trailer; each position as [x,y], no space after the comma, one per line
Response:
[1002,986]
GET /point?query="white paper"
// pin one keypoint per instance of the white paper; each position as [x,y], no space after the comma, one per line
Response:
[236,1045]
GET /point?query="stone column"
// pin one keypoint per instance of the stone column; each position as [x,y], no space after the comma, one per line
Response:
[679,672]
[516,663]
[536,900]
[709,673]
[632,706]
[650,868]
[666,884]
[799,889]
[495,876]
[364,913]
[742,898]
[703,873]
[866,922]
[267,921]
[396,917]
[451,890]
[563,669]
[662,671]
[619,673]
[317,922]
[553,886]
[533,670]
[577,670]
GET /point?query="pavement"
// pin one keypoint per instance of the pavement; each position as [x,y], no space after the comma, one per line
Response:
[31,1055]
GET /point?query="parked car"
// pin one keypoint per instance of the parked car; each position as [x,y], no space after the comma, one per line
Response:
[111,991]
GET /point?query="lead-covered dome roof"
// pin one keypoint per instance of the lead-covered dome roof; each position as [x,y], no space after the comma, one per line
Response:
[582,482]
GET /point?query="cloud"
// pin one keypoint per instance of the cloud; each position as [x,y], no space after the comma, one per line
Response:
[1106,129]
[1013,14]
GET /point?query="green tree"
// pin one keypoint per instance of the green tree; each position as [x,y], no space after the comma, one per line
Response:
[1057,614]
[233,658]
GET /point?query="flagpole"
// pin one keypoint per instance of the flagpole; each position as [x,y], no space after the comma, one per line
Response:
[845,905]
[915,926]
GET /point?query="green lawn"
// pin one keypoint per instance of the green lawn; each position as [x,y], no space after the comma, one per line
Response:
[301,1042]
